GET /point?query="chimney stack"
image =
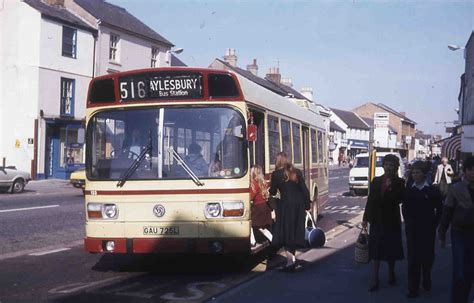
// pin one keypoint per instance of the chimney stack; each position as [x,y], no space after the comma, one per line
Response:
[230,57]
[253,68]
[274,75]
[307,92]
[404,114]
[287,81]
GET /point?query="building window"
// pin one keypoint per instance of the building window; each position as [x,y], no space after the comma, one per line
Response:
[113,48]
[69,42]
[67,97]
[154,56]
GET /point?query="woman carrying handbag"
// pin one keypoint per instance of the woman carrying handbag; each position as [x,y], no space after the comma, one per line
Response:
[382,211]
[289,230]
[361,254]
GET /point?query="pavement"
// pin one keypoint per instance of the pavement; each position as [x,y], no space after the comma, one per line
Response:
[47,186]
[330,274]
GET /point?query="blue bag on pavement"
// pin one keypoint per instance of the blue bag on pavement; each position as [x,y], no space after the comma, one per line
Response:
[314,236]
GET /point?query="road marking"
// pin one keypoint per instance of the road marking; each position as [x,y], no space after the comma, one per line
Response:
[42,253]
[29,251]
[27,208]
[344,209]
[193,289]
[339,177]
[70,288]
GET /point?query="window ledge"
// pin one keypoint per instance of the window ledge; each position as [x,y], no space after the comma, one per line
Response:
[115,63]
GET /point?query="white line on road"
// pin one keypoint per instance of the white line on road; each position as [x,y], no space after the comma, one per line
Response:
[42,253]
[30,251]
[27,208]
[340,177]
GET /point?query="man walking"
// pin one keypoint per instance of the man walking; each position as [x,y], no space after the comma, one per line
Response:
[444,172]
[458,212]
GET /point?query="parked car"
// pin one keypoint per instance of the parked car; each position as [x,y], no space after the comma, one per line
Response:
[12,179]
[78,179]
[359,173]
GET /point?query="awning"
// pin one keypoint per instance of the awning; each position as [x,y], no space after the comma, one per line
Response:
[451,147]
[357,144]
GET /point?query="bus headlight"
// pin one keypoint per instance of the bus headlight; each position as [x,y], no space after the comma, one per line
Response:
[233,209]
[110,211]
[351,179]
[102,211]
[213,210]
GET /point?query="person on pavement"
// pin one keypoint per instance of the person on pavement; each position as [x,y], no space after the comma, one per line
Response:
[290,211]
[458,212]
[382,211]
[444,172]
[421,210]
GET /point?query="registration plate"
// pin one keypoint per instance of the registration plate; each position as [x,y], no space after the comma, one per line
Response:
[157,230]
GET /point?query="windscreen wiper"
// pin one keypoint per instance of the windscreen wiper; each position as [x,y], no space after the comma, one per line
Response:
[181,162]
[136,163]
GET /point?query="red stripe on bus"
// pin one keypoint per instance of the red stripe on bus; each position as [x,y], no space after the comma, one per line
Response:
[168,245]
[170,192]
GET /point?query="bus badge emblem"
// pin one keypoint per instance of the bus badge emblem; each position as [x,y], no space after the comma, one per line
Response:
[159,210]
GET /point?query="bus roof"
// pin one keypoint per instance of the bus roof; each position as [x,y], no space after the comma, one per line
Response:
[265,98]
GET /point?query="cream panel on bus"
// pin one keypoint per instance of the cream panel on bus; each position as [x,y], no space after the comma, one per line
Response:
[234,228]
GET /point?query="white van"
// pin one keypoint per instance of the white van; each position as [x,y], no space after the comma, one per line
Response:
[358,175]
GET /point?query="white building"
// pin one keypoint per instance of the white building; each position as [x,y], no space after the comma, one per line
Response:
[45,58]
[337,142]
[422,145]
[357,131]
[49,52]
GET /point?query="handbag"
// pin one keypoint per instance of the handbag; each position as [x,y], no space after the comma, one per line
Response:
[314,236]
[272,202]
[361,253]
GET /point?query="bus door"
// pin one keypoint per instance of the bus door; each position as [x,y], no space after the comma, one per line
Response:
[257,147]
[306,163]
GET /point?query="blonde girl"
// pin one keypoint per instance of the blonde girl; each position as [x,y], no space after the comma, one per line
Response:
[261,214]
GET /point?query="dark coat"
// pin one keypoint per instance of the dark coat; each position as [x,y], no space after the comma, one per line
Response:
[382,211]
[290,212]
[421,212]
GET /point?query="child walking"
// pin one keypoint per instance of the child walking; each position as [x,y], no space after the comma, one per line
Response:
[422,212]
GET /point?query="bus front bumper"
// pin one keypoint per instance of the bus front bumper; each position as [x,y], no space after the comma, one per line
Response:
[167,245]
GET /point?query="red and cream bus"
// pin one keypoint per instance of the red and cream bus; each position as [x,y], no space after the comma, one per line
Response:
[168,157]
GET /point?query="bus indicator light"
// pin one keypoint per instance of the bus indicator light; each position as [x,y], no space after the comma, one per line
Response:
[233,209]
[94,211]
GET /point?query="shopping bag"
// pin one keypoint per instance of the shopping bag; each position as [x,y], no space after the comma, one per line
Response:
[314,235]
[361,253]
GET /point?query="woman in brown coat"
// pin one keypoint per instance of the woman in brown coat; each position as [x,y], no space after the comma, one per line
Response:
[382,211]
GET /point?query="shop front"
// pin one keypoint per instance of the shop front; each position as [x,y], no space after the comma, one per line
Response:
[355,147]
[64,148]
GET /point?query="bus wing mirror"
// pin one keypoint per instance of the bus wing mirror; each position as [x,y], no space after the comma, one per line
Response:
[252,132]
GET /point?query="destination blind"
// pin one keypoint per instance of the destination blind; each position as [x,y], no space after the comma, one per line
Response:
[161,86]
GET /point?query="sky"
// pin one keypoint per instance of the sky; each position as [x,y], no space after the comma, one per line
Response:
[349,52]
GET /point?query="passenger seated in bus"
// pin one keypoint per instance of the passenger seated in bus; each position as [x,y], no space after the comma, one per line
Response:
[196,161]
